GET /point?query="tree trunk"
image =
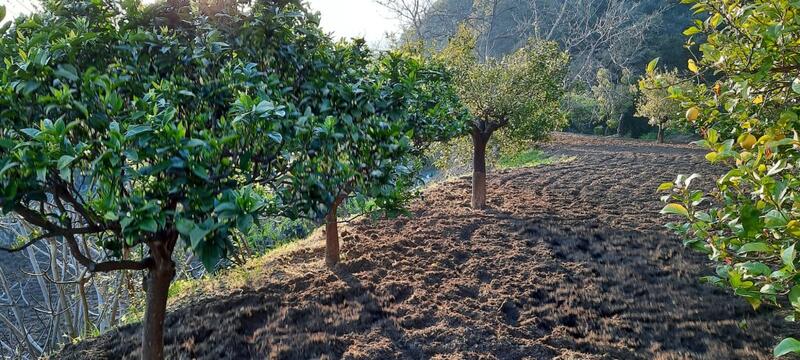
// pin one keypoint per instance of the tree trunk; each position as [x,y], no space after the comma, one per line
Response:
[332,236]
[479,141]
[157,288]
[619,125]
[660,133]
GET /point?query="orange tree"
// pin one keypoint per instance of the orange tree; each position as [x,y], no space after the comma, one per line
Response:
[137,134]
[748,115]
[658,93]
[518,95]
[368,134]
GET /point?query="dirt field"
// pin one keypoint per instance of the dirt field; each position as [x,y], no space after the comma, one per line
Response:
[570,261]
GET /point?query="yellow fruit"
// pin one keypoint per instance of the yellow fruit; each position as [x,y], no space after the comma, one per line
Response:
[793,227]
[747,141]
[762,168]
[745,155]
[692,114]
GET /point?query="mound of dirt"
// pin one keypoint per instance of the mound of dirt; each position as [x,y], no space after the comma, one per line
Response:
[570,261]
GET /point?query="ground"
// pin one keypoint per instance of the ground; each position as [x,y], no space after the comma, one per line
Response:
[570,261]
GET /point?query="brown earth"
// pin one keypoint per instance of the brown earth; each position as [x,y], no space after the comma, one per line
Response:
[570,261]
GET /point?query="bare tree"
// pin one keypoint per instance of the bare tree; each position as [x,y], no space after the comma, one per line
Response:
[411,13]
[47,297]
[596,33]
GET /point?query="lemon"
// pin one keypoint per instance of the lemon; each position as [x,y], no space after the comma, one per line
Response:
[747,141]
[692,114]
[793,227]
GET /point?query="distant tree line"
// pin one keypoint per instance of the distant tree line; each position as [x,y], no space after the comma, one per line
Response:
[609,43]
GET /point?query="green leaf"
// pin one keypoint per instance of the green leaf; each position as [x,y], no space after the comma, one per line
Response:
[794,297]
[185,226]
[67,71]
[754,247]
[7,167]
[666,186]
[691,31]
[264,107]
[276,137]
[775,219]
[33,133]
[750,218]
[651,66]
[757,268]
[2,12]
[244,223]
[796,85]
[137,130]
[788,255]
[64,161]
[210,257]
[675,209]
[787,346]
[149,225]
[196,236]
[225,208]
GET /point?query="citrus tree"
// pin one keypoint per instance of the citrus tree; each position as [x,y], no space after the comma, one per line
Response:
[126,136]
[614,98]
[137,135]
[518,94]
[139,129]
[658,100]
[749,225]
[368,134]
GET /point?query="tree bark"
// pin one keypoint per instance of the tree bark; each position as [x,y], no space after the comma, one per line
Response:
[479,141]
[157,285]
[660,133]
[332,236]
[619,125]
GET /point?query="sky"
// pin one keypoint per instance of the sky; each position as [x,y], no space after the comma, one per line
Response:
[341,18]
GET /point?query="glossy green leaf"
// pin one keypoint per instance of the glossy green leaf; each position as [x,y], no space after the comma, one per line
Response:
[675,209]
[755,247]
[787,346]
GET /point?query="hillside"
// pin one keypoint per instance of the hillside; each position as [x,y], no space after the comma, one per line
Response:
[570,261]
[611,34]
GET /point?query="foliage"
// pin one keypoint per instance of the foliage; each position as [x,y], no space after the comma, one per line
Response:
[518,93]
[135,132]
[614,98]
[364,145]
[658,100]
[582,111]
[750,224]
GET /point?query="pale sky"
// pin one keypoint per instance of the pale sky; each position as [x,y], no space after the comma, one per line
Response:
[356,18]
[342,18]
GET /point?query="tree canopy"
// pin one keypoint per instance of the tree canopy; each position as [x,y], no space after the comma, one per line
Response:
[142,128]
[518,94]
[657,100]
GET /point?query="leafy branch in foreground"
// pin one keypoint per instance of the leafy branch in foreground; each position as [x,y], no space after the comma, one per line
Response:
[748,113]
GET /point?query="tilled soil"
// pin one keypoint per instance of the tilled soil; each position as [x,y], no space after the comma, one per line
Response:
[570,261]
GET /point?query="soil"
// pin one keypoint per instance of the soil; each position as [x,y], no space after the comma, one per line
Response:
[569,261]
